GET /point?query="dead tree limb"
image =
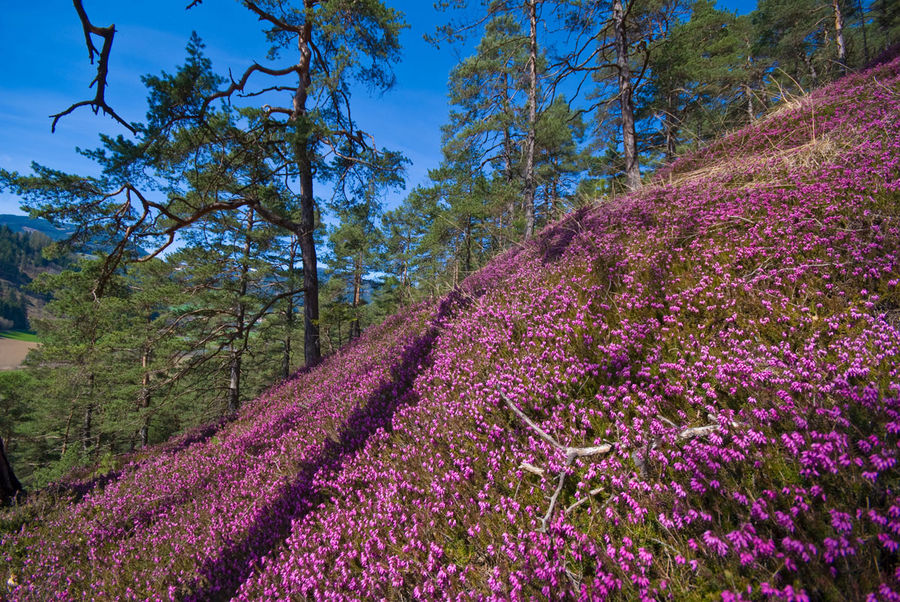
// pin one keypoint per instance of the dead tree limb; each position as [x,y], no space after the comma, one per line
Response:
[579,502]
[98,103]
[570,452]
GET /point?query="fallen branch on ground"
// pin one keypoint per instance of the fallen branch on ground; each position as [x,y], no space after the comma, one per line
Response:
[572,453]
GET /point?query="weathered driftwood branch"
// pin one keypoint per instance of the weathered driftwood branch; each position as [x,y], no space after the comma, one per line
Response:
[530,423]
[559,486]
[697,431]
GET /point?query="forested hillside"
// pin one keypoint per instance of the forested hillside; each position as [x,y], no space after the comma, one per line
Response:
[20,261]
[688,391]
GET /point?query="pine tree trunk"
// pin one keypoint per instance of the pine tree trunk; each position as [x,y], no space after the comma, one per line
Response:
[237,351]
[286,343]
[813,74]
[467,255]
[311,345]
[311,349]
[355,330]
[9,484]
[839,34]
[862,26]
[289,313]
[626,98]
[65,441]
[751,114]
[532,121]
[554,196]
[86,426]
[669,127]
[234,382]
[508,166]
[405,272]
[145,396]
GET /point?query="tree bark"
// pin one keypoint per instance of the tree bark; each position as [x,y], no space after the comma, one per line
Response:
[234,382]
[303,151]
[839,34]
[626,98]
[9,484]
[289,313]
[529,191]
[862,25]
[813,74]
[237,350]
[87,425]
[670,128]
[65,441]
[467,261]
[145,396]
[355,329]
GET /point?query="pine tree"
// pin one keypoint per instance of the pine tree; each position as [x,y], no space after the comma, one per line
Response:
[701,78]
[335,44]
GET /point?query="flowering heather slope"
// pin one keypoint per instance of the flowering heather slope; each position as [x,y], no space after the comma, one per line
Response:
[692,392]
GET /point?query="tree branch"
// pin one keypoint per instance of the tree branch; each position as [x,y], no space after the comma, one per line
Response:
[98,103]
[238,86]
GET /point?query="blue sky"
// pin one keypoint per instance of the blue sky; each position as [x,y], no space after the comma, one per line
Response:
[46,69]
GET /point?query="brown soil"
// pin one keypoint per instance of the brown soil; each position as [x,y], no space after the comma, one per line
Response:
[12,352]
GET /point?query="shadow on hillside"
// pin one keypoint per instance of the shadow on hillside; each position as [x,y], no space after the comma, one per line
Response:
[76,490]
[554,241]
[221,576]
[613,217]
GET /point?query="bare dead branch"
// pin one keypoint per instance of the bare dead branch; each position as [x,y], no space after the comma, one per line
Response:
[550,508]
[265,16]
[532,469]
[98,103]
[581,501]
[571,454]
[238,86]
[697,431]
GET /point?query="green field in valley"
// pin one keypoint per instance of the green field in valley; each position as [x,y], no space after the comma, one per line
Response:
[19,335]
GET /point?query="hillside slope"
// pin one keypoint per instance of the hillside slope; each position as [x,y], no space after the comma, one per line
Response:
[691,392]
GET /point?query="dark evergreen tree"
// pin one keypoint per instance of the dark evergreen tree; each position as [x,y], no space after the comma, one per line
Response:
[337,44]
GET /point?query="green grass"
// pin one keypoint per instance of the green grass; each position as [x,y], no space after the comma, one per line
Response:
[19,335]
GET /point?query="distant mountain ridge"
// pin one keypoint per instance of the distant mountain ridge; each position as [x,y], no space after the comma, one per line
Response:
[23,223]
[21,260]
